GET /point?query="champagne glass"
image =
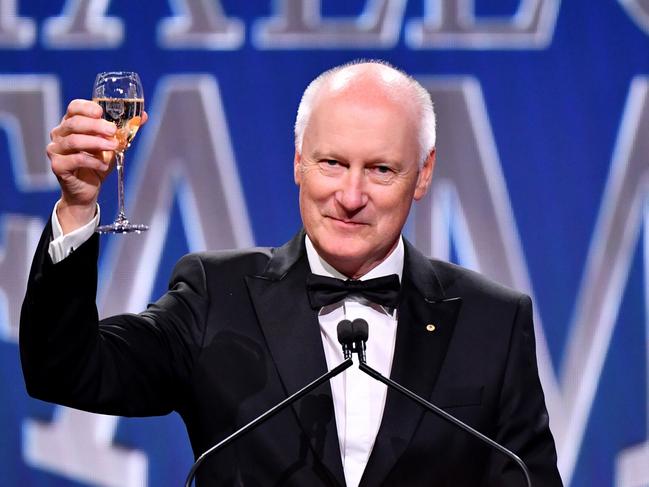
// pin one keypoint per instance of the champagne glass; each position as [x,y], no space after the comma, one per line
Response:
[120,95]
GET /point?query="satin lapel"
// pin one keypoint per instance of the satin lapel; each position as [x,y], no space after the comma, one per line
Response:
[292,333]
[426,324]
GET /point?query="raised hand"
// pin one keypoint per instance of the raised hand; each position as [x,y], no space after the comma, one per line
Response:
[81,152]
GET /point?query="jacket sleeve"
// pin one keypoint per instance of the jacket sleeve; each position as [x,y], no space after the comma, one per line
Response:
[129,365]
[522,422]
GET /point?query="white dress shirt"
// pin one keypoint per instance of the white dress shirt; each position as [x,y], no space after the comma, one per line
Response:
[358,399]
[63,245]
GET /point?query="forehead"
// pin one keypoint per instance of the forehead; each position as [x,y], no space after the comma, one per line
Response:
[363,125]
[368,87]
[372,85]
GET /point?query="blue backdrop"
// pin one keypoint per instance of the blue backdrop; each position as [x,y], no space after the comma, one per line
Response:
[542,183]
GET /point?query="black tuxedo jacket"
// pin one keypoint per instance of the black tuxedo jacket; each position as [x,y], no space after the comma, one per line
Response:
[235,334]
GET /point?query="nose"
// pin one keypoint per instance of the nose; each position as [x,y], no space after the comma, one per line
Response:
[352,195]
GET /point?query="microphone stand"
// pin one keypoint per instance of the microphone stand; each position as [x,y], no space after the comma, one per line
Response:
[444,415]
[265,416]
[353,335]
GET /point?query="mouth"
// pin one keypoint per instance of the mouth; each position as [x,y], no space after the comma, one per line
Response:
[345,223]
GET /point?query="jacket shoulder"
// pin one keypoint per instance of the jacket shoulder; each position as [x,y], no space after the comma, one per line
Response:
[458,280]
[238,261]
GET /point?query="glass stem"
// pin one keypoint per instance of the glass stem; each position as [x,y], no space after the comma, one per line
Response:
[119,161]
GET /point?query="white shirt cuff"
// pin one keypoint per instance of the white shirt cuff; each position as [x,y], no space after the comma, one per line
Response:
[63,245]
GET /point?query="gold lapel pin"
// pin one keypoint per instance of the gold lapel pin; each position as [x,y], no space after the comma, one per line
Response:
[430,327]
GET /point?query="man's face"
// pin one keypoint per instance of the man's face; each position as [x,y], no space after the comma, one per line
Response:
[358,174]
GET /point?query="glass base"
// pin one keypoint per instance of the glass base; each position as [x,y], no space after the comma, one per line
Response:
[122,226]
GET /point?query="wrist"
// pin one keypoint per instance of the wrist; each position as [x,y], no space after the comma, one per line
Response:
[73,216]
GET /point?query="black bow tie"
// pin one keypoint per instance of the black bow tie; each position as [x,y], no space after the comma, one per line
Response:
[328,290]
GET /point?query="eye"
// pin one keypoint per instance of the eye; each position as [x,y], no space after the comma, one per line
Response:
[381,173]
[328,162]
[330,167]
[381,170]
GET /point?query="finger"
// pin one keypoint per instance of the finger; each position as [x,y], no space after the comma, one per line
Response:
[86,108]
[81,124]
[65,165]
[145,117]
[108,156]
[73,143]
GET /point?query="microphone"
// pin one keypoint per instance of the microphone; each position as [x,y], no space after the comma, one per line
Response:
[352,335]
[350,332]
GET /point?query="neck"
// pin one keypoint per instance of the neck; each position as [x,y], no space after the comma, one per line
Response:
[322,263]
[354,270]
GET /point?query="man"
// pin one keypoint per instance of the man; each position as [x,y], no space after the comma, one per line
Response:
[240,330]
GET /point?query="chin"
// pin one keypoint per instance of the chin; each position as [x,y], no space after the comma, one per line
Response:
[345,255]
[344,252]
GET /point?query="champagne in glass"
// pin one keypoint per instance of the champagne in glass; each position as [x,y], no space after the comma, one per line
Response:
[120,95]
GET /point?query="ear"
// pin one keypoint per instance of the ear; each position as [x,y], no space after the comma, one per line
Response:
[297,168]
[425,176]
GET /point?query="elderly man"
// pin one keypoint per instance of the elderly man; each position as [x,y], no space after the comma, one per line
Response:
[240,330]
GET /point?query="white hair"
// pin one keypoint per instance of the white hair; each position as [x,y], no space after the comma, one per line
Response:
[419,94]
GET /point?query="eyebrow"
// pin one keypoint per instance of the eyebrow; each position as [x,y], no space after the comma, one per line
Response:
[326,155]
[318,154]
